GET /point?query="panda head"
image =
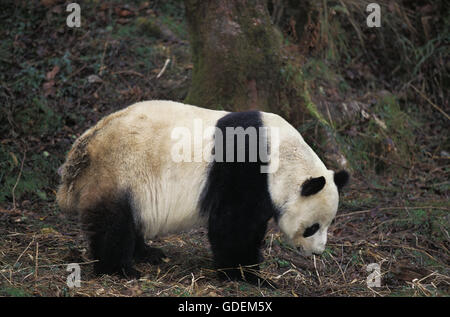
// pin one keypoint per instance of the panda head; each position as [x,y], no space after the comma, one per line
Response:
[306,216]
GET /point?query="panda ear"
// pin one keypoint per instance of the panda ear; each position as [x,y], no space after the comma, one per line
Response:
[341,179]
[313,186]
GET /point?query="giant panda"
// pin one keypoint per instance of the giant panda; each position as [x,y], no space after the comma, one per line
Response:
[160,167]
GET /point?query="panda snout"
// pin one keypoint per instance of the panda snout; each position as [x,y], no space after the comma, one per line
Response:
[318,251]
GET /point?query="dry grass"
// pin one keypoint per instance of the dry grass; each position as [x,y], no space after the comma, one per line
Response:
[35,251]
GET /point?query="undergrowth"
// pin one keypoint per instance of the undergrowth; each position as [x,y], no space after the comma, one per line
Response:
[395,74]
[48,84]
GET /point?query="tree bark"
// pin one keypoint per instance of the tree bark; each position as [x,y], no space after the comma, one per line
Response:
[236,55]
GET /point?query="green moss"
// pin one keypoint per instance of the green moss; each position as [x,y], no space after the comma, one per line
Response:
[228,66]
[385,142]
[33,180]
[312,108]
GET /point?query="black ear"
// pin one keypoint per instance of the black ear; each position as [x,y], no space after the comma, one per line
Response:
[313,186]
[341,179]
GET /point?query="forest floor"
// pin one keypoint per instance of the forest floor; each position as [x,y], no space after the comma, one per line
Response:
[57,81]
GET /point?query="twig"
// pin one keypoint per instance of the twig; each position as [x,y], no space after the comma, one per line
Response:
[17,181]
[317,272]
[164,68]
[102,67]
[424,278]
[55,265]
[374,291]
[75,73]
[131,72]
[24,251]
[388,208]
[270,246]
[388,161]
[413,249]
[431,103]
[36,263]
[339,266]
[6,278]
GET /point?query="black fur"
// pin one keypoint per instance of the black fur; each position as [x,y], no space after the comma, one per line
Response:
[114,239]
[237,200]
[313,186]
[341,179]
[146,254]
[311,230]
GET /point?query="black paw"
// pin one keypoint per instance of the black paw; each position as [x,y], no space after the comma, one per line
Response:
[246,276]
[150,255]
[129,273]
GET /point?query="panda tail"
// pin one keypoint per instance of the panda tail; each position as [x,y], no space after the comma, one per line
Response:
[71,171]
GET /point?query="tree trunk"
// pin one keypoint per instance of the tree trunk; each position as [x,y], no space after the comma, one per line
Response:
[238,64]
[236,55]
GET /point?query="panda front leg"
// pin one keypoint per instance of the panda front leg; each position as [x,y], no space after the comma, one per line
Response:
[236,245]
[111,232]
[144,253]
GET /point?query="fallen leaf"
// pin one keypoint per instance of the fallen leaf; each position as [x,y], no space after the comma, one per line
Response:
[126,13]
[51,74]
[16,162]
[48,88]
[94,79]
[123,12]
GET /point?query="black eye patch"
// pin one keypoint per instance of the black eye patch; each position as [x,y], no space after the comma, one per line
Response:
[311,230]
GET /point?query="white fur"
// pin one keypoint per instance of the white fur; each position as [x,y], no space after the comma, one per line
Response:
[297,163]
[168,201]
[166,193]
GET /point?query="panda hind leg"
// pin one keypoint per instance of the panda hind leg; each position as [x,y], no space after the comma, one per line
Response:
[111,232]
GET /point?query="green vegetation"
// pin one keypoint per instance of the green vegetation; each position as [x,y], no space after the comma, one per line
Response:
[379,94]
[13,292]
[47,88]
